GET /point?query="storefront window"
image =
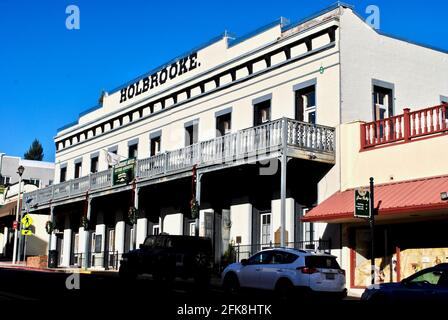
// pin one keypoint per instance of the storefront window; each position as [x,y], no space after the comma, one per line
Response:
[402,249]
[385,258]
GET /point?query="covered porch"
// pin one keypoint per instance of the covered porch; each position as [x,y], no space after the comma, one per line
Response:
[270,170]
[409,230]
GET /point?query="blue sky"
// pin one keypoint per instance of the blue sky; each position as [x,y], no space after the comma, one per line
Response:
[49,74]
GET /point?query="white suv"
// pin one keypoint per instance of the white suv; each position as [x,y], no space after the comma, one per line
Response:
[285,270]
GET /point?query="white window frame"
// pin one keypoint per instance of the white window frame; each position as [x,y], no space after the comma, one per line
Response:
[35,182]
[76,243]
[111,241]
[158,145]
[385,107]
[262,215]
[192,228]
[61,254]
[154,228]
[92,242]
[77,164]
[307,110]
[308,228]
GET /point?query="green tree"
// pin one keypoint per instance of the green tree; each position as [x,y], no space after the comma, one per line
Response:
[35,152]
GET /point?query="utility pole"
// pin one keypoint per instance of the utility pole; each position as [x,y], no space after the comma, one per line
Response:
[372,230]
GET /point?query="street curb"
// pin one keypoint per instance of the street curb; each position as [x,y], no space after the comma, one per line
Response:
[25,268]
[57,270]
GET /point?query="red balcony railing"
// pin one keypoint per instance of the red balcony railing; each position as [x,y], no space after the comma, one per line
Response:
[409,126]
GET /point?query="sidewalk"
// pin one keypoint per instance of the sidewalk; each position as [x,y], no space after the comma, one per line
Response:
[22,266]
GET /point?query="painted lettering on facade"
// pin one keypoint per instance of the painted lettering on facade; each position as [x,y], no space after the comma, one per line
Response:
[160,77]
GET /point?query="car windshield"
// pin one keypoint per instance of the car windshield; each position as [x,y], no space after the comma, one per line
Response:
[154,241]
[431,277]
[181,243]
[321,262]
[150,242]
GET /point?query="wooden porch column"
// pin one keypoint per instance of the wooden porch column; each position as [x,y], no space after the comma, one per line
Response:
[85,261]
[198,199]
[284,163]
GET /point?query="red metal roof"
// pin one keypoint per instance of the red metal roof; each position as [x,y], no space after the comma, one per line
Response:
[393,198]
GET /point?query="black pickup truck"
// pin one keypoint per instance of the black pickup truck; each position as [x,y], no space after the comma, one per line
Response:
[169,256]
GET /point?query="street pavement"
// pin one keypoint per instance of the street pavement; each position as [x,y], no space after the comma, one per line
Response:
[105,292]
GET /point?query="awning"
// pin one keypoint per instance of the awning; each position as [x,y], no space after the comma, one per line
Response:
[392,199]
[8,209]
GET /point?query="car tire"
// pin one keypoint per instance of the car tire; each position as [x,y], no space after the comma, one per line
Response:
[201,260]
[284,289]
[127,273]
[231,285]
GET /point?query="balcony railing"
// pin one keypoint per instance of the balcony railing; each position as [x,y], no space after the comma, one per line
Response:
[252,142]
[409,126]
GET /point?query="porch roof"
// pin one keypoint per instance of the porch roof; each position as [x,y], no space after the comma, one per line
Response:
[391,199]
[8,208]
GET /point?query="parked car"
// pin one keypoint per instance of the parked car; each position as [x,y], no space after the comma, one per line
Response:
[430,284]
[287,271]
[169,256]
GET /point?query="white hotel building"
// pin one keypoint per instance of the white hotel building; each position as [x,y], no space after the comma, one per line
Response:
[259,118]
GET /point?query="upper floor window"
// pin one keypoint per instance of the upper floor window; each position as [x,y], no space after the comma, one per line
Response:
[113,150]
[306,104]
[155,145]
[265,228]
[383,103]
[78,167]
[443,100]
[191,133]
[36,182]
[94,164]
[133,150]
[223,124]
[308,229]
[5,180]
[262,112]
[63,174]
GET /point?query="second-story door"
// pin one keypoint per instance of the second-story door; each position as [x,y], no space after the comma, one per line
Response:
[155,145]
[266,229]
[262,112]
[191,134]
[382,103]
[223,124]
[306,104]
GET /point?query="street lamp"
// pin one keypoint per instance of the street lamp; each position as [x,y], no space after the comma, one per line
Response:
[20,170]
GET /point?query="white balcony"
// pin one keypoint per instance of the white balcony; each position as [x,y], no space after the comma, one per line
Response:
[267,141]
